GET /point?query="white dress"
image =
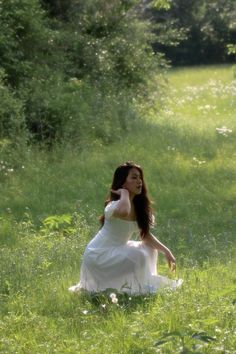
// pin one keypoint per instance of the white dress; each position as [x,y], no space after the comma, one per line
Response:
[112,260]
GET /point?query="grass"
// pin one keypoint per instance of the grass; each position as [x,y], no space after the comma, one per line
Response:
[190,169]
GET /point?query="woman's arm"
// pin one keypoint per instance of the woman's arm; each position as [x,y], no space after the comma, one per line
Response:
[123,207]
[151,241]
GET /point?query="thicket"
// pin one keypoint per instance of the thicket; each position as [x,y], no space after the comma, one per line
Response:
[73,71]
[206,29]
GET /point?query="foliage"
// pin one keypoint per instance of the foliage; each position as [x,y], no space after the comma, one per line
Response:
[25,39]
[208,27]
[12,118]
[160,4]
[115,42]
[73,68]
[27,54]
[231,49]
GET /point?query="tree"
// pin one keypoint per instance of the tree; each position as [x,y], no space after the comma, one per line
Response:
[208,26]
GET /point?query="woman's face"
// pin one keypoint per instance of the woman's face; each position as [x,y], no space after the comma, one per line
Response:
[133,182]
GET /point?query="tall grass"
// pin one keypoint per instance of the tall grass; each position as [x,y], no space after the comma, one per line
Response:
[190,170]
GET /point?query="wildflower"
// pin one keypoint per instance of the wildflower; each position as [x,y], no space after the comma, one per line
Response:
[224,131]
[206,108]
[114,299]
[200,162]
[85,312]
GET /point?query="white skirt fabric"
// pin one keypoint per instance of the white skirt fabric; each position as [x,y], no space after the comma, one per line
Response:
[113,261]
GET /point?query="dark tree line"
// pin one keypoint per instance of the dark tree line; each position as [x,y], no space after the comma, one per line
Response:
[206,28]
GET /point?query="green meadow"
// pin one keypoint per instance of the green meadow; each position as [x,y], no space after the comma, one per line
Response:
[49,208]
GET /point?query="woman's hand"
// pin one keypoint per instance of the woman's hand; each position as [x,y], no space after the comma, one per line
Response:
[170,260]
[120,191]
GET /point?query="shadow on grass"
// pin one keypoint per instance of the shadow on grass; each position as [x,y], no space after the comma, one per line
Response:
[187,140]
[111,299]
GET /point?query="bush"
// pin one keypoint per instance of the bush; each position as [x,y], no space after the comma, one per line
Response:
[75,71]
[26,40]
[208,26]
[76,112]
[12,119]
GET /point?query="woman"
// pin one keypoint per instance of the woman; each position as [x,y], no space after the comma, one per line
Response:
[111,259]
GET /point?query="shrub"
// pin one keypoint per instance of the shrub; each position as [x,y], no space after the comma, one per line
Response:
[75,74]
[12,119]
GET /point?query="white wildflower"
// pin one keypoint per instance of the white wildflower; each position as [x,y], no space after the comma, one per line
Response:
[172,148]
[224,131]
[206,108]
[199,162]
[73,79]
[114,299]
[85,312]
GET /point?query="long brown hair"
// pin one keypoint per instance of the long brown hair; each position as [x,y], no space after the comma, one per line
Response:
[142,203]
